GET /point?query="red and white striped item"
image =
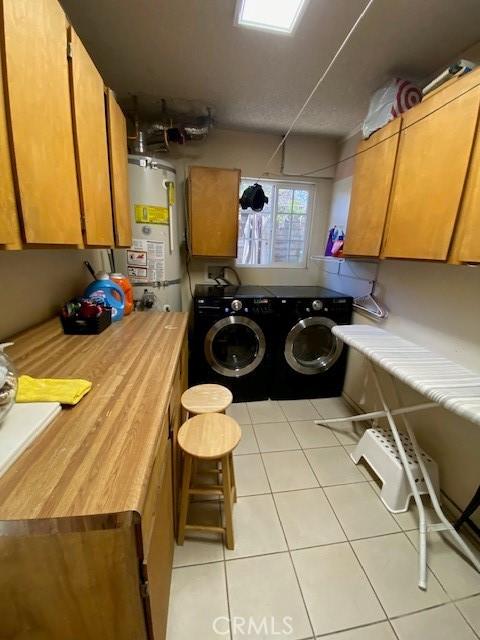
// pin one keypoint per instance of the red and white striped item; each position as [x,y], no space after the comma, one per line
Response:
[408,95]
[388,102]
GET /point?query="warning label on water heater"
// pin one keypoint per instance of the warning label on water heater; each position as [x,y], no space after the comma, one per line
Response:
[137,274]
[136,258]
[146,261]
[151,214]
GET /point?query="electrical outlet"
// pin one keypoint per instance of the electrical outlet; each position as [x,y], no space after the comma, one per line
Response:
[215,271]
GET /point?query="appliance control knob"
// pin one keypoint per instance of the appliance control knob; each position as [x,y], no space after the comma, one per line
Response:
[317,305]
[236,305]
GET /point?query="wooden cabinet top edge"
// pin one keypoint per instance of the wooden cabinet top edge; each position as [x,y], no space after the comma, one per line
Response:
[390,129]
[70,524]
[194,167]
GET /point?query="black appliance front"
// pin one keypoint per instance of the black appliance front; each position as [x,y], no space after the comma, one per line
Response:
[309,360]
[232,339]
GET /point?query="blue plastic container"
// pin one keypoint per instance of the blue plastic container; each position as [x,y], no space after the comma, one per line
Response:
[103,288]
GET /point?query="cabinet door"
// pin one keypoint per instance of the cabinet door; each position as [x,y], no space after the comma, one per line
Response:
[177,417]
[466,244]
[90,128]
[213,211]
[176,420]
[35,43]
[9,227]
[372,182]
[433,157]
[184,366]
[118,153]
[157,566]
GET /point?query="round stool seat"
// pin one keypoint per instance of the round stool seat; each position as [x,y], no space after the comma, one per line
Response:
[209,435]
[206,398]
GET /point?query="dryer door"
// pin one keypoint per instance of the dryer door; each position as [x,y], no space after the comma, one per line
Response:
[311,347]
[234,346]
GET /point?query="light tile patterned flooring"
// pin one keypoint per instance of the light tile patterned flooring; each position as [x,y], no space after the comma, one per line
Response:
[314,542]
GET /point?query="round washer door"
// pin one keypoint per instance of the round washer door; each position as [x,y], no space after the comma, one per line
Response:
[234,346]
[311,347]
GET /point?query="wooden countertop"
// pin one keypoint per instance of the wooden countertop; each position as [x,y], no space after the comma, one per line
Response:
[96,457]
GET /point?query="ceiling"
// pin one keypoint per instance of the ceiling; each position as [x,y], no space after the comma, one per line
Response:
[255,80]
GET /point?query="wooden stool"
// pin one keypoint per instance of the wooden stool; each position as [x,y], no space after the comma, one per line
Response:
[206,398]
[210,436]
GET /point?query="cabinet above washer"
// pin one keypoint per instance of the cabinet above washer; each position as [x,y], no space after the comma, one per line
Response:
[213,211]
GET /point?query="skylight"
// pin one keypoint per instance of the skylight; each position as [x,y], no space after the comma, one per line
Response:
[280,16]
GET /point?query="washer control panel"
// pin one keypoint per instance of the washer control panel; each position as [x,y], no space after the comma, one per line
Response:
[317,305]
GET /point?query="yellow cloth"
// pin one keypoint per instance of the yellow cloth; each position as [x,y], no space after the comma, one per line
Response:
[64,391]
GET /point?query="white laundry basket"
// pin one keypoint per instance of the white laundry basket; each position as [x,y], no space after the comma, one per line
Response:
[377,447]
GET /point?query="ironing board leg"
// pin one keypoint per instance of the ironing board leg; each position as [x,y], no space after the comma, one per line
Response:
[446,525]
[424,528]
[377,414]
[422,580]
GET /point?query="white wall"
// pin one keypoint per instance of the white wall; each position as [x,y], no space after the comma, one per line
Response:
[250,152]
[304,154]
[35,283]
[438,306]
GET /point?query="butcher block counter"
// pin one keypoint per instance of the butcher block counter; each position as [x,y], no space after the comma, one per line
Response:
[87,511]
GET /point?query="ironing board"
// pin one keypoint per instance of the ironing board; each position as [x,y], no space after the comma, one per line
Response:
[445,383]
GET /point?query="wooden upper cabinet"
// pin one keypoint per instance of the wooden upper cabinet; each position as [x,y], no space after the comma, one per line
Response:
[373,175]
[9,227]
[90,129]
[35,45]
[118,153]
[433,157]
[213,211]
[466,242]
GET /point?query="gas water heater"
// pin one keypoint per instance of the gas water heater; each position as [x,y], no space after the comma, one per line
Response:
[152,263]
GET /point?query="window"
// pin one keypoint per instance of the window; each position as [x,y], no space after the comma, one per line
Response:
[278,235]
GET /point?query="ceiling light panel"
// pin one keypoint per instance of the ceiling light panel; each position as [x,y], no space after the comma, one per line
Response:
[280,16]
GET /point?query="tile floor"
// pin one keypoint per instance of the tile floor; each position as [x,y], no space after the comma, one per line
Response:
[317,555]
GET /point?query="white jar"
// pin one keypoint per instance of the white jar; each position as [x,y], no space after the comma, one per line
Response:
[8,382]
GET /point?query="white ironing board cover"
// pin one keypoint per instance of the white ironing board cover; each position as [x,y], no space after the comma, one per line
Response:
[442,381]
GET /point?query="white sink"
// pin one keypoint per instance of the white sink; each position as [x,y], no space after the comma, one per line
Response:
[24,422]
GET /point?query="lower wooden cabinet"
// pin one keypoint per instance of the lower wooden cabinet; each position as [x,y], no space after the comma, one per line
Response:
[65,580]
[89,577]
[157,563]
[159,523]
[177,417]
[99,577]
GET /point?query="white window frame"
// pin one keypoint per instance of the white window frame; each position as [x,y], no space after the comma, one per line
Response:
[311,187]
